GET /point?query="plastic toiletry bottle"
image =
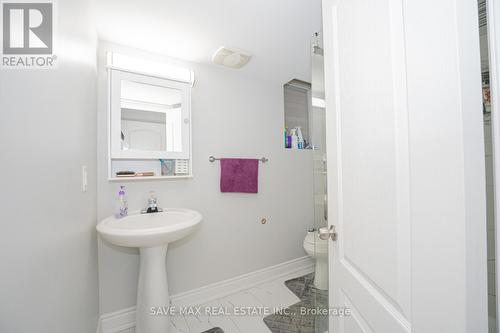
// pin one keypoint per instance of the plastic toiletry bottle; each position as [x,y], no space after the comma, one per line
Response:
[300,138]
[295,138]
[121,204]
[285,133]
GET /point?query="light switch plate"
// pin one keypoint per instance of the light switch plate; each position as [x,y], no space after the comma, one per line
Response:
[85,182]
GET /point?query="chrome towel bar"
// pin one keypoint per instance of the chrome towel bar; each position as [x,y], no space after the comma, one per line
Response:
[213,159]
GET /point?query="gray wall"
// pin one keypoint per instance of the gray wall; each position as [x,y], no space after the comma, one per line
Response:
[232,115]
[48,281]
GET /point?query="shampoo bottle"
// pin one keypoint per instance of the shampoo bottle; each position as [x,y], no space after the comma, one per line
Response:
[121,204]
[300,138]
[285,133]
[295,139]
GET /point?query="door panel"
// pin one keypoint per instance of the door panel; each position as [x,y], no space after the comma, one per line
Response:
[355,322]
[370,191]
[406,166]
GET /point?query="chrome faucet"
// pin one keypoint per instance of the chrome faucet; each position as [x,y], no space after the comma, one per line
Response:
[152,204]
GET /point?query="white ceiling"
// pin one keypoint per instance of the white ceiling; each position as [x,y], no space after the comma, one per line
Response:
[276,32]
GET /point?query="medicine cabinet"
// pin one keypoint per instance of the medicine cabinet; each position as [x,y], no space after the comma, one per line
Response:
[150,126]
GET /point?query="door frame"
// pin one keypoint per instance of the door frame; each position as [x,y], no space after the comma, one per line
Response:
[493,14]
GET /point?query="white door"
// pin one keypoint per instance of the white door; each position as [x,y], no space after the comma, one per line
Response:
[406,166]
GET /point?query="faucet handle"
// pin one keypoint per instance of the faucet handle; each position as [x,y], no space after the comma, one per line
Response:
[152,197]
[152,204]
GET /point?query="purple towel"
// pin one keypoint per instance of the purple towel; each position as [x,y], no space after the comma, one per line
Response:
[239,175]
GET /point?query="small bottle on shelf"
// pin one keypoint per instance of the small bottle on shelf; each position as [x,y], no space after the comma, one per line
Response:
[300,138]
[295,139]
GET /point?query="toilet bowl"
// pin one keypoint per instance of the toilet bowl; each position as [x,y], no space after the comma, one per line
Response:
[317,249]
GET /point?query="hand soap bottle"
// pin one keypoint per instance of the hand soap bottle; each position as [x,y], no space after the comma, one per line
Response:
[121,204]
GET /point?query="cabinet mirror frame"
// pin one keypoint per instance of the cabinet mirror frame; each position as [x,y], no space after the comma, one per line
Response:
[115,106]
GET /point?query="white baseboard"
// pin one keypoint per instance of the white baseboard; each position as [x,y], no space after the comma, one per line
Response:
[116,322]
[122,320]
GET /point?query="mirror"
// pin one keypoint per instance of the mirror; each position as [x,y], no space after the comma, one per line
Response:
[149,117]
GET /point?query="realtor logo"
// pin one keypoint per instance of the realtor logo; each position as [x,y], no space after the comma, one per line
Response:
[27,35]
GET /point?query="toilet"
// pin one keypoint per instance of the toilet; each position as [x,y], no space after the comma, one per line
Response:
[317,249]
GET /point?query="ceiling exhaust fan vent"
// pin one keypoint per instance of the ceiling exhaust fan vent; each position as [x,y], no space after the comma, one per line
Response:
[231,58]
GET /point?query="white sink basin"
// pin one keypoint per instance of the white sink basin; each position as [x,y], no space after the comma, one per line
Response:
[149,230]
[151,233]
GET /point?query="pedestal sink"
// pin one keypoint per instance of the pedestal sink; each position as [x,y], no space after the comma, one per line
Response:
[151,233]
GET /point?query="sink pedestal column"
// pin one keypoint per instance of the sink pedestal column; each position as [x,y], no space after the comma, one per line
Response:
[152,291]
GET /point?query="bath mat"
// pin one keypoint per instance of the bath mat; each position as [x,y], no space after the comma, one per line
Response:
[310,298]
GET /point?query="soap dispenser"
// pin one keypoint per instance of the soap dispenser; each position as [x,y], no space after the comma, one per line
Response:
[121,204]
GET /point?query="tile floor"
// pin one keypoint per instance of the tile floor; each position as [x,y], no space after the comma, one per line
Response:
[271,294]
